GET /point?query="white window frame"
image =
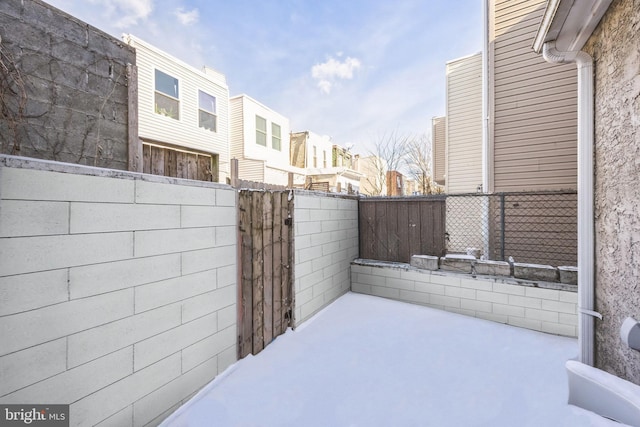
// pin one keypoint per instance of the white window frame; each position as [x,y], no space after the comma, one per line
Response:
[214,114]
[155,91]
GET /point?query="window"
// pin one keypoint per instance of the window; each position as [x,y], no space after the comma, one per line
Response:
[276,139]
[315,157]
[324,159]
[261,131]
[207,118]
[167,95]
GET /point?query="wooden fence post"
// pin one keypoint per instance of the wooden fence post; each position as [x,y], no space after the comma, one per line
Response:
[234,173]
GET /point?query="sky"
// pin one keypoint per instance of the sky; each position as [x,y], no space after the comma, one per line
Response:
[350,69]
[369,361]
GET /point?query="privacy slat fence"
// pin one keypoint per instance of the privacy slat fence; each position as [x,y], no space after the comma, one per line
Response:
[393,229]
[265,235]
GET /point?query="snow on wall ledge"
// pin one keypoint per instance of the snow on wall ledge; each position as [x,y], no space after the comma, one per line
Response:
[118,289]
[515,302]
[326,241]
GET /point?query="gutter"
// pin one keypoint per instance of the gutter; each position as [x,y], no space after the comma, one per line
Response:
[586,251]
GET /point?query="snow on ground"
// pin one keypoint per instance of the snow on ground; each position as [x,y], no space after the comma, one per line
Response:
[368,361]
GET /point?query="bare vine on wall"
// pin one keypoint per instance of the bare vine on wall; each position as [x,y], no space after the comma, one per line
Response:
[13,100]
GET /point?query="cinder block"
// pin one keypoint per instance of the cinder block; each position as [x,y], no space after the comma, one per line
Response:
[111,399]
[210,302]
[158,242]
[415,297]
[302,228]
[395,283]
[31,184]
[506,288]
[508,310]
[430,288]
[331,247]
[454,291]
[30,254]
[226,358]
[108,217]
[568,319]
[560,307]
[207,259]
[544,273]
[227,316]
[227,276]
[522,322]
[225,197]
[322,287]
[208,216]
[30,291]
[568,275]
[493,268]
[209,347]
[493,317]
[416,275]
[456,264]
[107,277]
[226,236]
[444,301]
[425,262]
[99,341]
[361,288]
[329,226]
[546,316]
[375,280]
[149,407]
[30,328]
[321,262]
[34,364]
[33,218]
[162,345]
[172,290]
[566,296]
[529,302]
[306,202]
[174,194]
[491,296]
[475,305]
[478,284]
[470,313]
[445,279]
[328,203]
[559,329]
[311,308]
[122,418]
[542,293]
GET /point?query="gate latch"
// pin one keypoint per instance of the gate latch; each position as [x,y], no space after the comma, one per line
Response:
[288,221]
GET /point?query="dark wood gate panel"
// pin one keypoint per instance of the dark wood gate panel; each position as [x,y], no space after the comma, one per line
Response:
[179,163]
[266,260]
[393,229]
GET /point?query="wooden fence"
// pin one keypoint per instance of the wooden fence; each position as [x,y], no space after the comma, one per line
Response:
[393,229]
[266,261]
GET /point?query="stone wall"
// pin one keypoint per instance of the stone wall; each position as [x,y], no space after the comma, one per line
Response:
[118,290]
[63,87]
[326,241]
[615,47]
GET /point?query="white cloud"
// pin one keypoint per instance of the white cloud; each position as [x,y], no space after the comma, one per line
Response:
[128,12]
[328,72]
[187,17]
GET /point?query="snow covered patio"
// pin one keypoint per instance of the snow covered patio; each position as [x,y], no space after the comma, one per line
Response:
[369,361]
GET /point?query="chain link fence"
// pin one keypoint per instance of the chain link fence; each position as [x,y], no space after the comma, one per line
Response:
[537,228]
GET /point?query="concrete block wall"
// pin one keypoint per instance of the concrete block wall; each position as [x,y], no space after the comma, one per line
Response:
[326,241]
[551,309]
[118,290]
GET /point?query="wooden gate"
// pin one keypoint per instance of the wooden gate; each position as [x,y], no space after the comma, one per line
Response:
[266,262]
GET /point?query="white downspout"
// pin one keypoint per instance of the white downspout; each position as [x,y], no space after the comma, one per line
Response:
[586,313]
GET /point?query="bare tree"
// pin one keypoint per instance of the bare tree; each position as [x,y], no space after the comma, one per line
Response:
[389,153]
[418,161]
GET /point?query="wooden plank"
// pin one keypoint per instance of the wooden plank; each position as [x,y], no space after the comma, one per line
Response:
[380,231]
[171,163]
[426,228]
[181,164]
[135,156]
[157,160]
[393,240]
[404,255]
[258,277]
[192,166]
[203,172]
[287,258]
[415,227]
[267,244]
[278,224]
[146,158]
[246,257]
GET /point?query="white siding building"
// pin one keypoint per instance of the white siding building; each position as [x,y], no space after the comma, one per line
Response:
[260,142]
[183,115]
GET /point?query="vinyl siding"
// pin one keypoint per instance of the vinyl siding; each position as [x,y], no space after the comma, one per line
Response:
[439,137]
[236,128]
[184,132]
[533,105]
[464,125]
[251,170]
